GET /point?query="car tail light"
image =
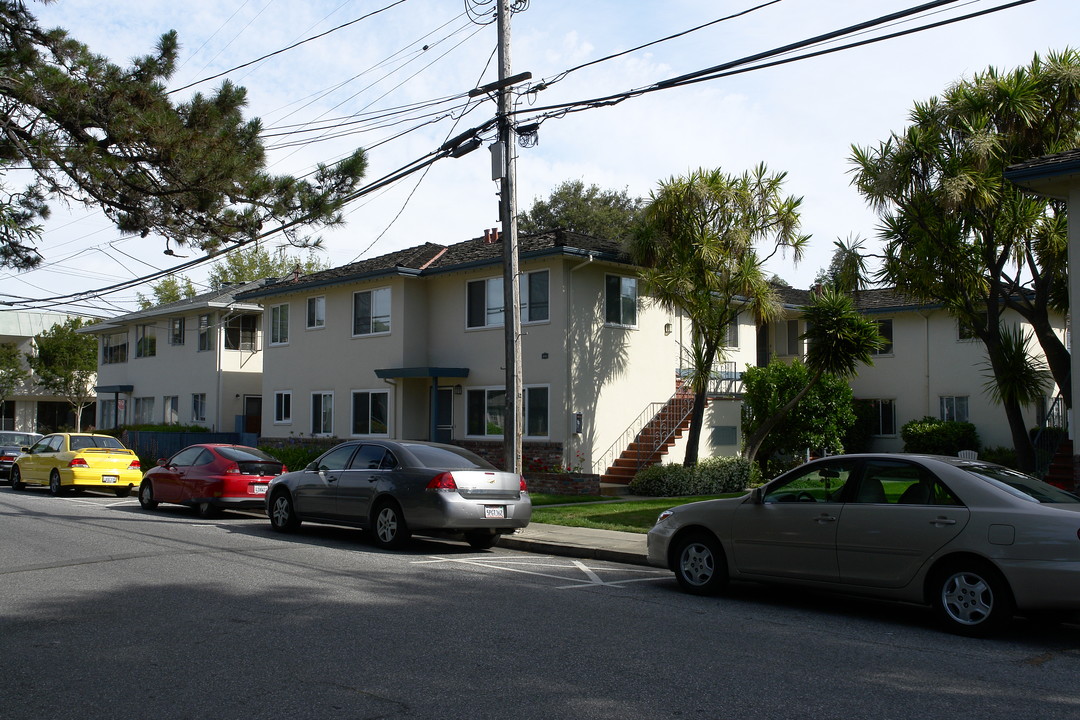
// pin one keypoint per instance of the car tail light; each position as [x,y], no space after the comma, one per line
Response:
[521,485]
[135,465]
[442,481]
[7,458]
[77,462]
[232,469]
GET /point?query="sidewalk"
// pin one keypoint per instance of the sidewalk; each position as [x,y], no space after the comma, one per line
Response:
[623,547]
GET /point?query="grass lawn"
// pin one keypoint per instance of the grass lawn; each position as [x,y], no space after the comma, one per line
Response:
[626,515]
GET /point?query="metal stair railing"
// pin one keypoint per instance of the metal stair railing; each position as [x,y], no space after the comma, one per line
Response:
[1053,430]
[651,412]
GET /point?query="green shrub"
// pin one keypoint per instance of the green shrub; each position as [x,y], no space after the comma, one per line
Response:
[1001,455]
[939,437]
[708,477]
[295,456]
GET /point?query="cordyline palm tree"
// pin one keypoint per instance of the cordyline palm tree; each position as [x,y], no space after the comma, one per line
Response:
[838,339]
[697,245]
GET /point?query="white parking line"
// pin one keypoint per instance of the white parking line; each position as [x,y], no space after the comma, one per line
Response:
[592,576]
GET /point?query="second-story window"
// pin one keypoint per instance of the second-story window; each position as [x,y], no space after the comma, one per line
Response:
[279,324]
[145,341]
[884,328]
[316,312]
[620,300]
[240,332]
[485,301]
[114,348]
[205,334]
[176,331]
[787,338]
[371,312]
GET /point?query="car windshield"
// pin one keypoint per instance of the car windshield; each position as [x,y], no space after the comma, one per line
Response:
[444,458]
[1020,485]
[81,442]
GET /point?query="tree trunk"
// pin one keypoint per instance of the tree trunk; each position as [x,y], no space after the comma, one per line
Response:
[693,437]
[1057,355]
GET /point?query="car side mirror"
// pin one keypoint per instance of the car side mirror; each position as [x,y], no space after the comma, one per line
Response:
[162,462]
[756,496]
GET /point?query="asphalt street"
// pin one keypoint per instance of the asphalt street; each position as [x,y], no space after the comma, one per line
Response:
[107,610]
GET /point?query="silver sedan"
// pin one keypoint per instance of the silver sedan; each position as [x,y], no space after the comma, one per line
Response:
[976,541]
[394,488]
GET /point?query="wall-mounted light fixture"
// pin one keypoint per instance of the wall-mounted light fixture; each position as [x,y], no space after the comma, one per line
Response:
[457,389]
[667,328]
[543,356]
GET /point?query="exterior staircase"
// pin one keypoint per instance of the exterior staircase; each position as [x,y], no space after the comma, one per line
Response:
[652,443]
[1062,472]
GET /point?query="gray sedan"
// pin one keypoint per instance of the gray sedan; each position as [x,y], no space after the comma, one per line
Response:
[974,540]
[394,488]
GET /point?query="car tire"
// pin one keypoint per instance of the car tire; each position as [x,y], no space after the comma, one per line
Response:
[56,487]
[16,478]
[207,510]
[282,513]
[388,528]
[146,495]
[123,492]
[481,539]
[971,598]
[699,564]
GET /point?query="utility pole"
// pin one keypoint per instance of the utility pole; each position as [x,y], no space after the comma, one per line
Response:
[512,427]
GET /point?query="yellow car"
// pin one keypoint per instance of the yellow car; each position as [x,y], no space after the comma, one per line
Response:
[79,461]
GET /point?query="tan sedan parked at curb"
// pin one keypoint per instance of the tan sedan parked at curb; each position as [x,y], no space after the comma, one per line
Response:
[976,541]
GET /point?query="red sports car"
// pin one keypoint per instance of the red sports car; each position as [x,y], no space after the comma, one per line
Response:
[211,477]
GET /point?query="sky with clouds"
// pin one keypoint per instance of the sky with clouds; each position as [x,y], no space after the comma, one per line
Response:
[323,98]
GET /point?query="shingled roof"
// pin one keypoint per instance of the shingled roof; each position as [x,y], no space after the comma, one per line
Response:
[433,259]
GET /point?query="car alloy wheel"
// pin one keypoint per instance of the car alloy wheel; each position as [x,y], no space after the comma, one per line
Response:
[146,495]
[55,487]
[16,478]
[389,527]
[282,516]
[700,566]
[972,599]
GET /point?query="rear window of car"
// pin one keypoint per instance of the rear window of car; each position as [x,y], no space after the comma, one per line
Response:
[243,454]
[447,458]
[81,442]
[1022,486]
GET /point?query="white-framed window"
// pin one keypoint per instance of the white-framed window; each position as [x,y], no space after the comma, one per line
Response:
[322,413]
[114,348]
[954,407]
[371,312]
[620,300]
[883,418]
[885,330]
[485,411]
[206,334]
[241,332]
[176,331]
[536,411]
[316,312]
[787,338]
[486,303]
[283,407]
[171,409]
[731,333]
[370,412]
[198,407]
[145,341]
[534,296]
[144,410]
[279,324]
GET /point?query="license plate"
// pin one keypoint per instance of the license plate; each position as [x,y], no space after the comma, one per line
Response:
[109,478]
[258,489]
[494,511]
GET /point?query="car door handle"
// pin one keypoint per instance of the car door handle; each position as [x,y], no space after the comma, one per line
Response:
[823,518]
[942,521]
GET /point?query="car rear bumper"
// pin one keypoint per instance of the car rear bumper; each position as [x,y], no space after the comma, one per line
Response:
[96,479]
[253,502]
[451,511]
